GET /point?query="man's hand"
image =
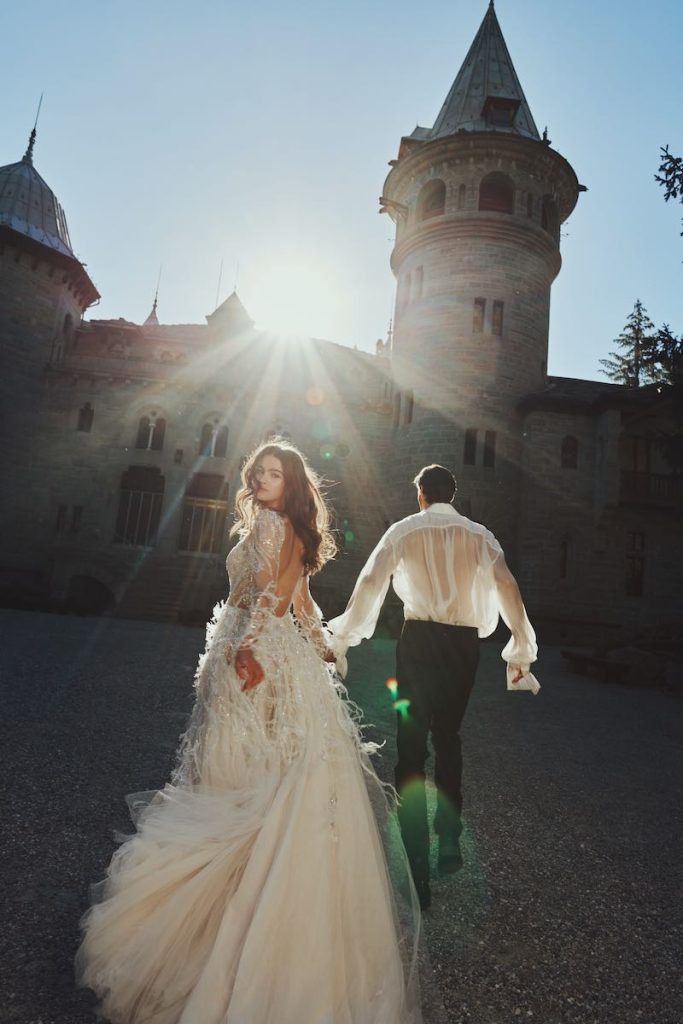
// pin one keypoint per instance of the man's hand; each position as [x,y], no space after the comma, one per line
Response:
[248,668]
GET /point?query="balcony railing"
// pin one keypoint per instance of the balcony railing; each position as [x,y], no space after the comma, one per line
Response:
[650,488]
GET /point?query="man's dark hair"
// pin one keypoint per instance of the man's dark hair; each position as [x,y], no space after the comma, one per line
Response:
[436,483]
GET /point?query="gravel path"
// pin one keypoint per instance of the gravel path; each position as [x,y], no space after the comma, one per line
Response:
[566,911]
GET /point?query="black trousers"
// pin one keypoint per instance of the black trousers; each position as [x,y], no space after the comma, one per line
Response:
[435,670]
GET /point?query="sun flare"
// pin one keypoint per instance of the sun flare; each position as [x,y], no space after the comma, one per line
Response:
[296,298]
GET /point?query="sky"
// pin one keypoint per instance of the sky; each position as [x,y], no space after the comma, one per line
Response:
[190,136]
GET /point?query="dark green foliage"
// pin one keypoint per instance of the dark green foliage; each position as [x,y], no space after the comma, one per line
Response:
[671,175]
[636,362]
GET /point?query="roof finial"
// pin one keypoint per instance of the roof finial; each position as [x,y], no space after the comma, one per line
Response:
[28,155]
[153,320]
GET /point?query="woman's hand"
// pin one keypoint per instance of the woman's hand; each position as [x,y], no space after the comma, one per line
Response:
[248,668]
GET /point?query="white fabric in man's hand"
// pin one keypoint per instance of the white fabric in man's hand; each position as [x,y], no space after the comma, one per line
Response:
[527,682]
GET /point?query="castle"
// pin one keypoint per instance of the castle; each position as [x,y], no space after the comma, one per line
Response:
[122,443]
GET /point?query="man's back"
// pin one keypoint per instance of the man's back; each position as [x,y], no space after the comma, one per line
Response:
[443,568]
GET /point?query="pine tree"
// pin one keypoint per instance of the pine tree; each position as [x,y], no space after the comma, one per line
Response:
[668,357]
[671,175]
[636,364]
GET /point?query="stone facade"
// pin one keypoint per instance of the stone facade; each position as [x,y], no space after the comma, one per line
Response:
[122,444]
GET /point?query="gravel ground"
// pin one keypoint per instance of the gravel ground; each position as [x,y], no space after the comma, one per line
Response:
[566,911]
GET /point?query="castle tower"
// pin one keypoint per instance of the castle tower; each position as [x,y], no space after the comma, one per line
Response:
[44,290]
[477,200]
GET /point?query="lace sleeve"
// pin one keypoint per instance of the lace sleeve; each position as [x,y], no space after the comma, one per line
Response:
[268,534]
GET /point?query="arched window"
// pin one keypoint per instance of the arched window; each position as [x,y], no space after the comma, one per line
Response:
[419,281]
[462,193]
[151,432]
[570,452]
[529,204]
[85,417]
[550,220]
[214,440]
[157,438]
[143,433]
[497,193]
[432,200]
[397,408]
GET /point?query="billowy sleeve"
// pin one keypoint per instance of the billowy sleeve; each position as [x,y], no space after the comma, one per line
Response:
[521,649]
[360,618]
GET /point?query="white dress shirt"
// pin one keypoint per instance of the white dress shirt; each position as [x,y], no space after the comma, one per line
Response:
[445,568]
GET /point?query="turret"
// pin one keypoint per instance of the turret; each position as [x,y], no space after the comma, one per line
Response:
[478,200]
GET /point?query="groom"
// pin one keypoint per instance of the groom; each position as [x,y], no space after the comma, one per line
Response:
[451,576]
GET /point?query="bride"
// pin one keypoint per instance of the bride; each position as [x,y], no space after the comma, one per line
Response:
[256,889]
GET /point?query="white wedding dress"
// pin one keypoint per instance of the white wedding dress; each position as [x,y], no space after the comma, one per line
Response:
[256,889]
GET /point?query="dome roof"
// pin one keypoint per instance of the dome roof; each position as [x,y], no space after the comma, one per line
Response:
[29,206]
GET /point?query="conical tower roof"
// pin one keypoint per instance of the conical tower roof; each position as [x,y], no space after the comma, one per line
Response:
[231,316]
[29,206]
[152,320]
[486,95]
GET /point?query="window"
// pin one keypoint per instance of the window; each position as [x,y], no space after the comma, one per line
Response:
[151,433]
[570,452]
[529,204]
[478,316]
[432,200]
[76,518]
[497,318]
[60,522]
[140,498]
[408,412]
[490,449]
[500,111]
[396,409]
[635,564]
[419,281]
[407,289]
[205,509]
[85,417]
[462,195]
[178,456]
[497,193]
[635,454]
[565,557]
[550,220]
[470,455]
[68,331]
[214,440]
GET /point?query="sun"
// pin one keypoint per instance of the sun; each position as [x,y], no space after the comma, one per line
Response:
[296,297]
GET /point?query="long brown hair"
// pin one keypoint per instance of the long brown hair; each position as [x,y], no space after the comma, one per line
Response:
[303,502]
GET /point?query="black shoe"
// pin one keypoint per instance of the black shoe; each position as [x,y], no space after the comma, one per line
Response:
[450,858]
[424,893]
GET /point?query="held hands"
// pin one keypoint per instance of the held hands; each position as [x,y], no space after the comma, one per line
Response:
[247,667]
[518,673]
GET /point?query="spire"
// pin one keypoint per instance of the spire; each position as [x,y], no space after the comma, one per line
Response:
[152,320]
[28,155]
[486,95]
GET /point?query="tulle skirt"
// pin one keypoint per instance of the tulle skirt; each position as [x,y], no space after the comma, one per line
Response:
[263,884]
